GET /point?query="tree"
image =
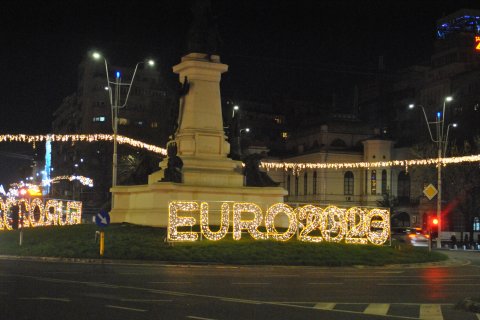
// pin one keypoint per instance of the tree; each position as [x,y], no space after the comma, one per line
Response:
[462,184]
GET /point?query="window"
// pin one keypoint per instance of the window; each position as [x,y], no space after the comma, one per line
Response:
[403,187]
[123,121]
[373,182]
[296,185]
[476,224]
[139,123]
[384,181]
[99,119]
[348,183]
[338,143]
[284,135]
[288,184]
[314,182]
[154,125]
[305,184]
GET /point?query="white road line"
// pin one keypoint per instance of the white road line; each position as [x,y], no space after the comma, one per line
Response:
[125,308]
[102,285]
[171,282]
[377,308]
[431,312]
[240,300]
[199,318]
[251,283]
[45,298]
[324,305]
[145,300]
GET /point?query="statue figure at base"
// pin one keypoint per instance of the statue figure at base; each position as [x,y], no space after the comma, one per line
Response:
[173,171]
[255,177]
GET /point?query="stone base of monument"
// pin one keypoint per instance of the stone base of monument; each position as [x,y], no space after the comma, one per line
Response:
[148,204]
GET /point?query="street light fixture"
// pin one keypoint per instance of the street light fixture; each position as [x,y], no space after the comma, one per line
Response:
[116,103]
[442,141]
[244,130]
[235,108]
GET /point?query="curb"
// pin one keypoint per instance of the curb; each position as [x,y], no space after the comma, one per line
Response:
[451,262]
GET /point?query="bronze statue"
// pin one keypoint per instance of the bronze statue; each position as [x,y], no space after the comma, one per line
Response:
[255,177]
[173,171]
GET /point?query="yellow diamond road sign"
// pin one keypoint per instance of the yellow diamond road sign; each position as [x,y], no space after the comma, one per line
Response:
[430,191]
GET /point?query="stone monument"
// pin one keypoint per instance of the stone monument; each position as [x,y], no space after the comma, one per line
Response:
[197,167]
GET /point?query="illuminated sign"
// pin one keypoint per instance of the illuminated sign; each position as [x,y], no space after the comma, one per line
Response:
[309,223]
[25,213]
[477,43]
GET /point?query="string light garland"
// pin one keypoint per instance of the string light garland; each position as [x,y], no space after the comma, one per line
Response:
[83,180]
[355,225]
[298,167]
[80,138]
[295,167]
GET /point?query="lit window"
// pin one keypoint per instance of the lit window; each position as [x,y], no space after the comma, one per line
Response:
[123,121]
[278,119]
[373,182]
[154,125]
[139,123]
[284,135]
[98,119]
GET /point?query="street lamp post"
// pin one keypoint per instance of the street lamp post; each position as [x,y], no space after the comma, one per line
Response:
[442,141]
[116,104]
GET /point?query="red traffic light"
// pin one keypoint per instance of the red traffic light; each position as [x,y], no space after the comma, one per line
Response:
[435,221]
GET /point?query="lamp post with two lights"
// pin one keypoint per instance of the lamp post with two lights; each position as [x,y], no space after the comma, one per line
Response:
[116,103]
[441,139]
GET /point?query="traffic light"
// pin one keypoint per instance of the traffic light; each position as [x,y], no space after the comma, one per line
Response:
[434,226]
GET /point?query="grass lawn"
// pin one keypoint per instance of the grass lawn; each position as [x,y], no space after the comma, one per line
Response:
[126,241]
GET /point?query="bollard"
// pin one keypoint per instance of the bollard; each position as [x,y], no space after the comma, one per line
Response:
[464,248]
[102,243]
[455,247]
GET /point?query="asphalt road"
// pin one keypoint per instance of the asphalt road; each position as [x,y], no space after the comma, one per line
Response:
[59,290]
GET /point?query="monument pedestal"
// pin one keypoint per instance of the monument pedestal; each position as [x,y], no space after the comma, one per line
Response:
[148,204]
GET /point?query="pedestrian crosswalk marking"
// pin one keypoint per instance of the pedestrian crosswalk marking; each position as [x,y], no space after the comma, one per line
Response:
[431,312]
[324,305]
[377,308]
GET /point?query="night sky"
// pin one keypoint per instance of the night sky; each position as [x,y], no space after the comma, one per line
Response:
[270,46]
